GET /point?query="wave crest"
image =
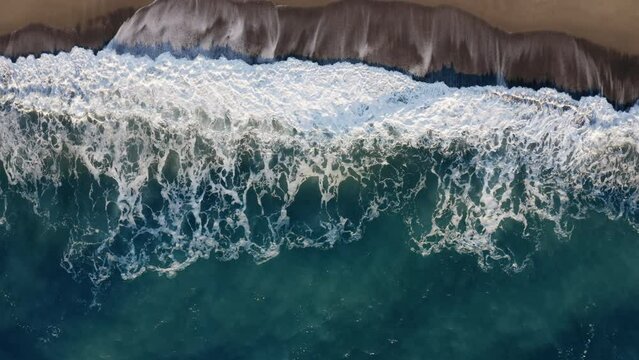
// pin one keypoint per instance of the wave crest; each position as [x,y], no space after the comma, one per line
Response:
[151,165]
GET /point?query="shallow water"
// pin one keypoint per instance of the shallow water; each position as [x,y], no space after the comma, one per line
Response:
[298,211]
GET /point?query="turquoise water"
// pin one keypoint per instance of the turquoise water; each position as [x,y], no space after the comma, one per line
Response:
[209,209]
[369,297]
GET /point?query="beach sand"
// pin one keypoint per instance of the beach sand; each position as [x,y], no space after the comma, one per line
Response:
[58,14]
[611,23]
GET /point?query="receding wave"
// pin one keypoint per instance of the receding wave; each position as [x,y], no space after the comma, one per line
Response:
[150,165]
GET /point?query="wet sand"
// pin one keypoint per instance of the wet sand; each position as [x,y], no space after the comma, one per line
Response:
[36,39]
[58,14]
[34,27]
[611,23]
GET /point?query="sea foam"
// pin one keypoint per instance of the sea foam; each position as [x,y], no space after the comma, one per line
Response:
[168,161]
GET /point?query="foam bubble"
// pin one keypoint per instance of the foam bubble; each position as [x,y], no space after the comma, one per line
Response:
[154,164]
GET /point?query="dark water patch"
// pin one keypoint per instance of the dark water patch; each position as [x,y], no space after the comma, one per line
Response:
[305,208]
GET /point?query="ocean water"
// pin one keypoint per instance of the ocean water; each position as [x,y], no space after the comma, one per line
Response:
[211,209]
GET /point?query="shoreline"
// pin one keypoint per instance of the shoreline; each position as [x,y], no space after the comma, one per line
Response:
[38,39]
[613,24]
[59,14]
[415,39]
[420,41]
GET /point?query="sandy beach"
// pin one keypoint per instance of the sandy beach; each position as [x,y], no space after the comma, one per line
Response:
[612,23]
[59,14]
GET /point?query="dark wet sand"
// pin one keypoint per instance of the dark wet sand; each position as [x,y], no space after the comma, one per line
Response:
[58,14]
[611,23]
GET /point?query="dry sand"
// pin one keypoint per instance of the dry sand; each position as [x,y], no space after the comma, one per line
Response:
[611,23]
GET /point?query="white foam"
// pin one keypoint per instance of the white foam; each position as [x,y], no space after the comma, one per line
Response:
[120,116]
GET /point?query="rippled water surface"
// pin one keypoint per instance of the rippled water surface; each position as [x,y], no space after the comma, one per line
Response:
[210,209]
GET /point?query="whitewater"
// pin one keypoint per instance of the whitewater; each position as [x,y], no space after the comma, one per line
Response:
[153,164]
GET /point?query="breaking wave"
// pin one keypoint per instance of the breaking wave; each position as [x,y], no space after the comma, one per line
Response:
[150,165]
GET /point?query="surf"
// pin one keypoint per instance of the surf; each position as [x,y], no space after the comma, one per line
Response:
[153,164]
